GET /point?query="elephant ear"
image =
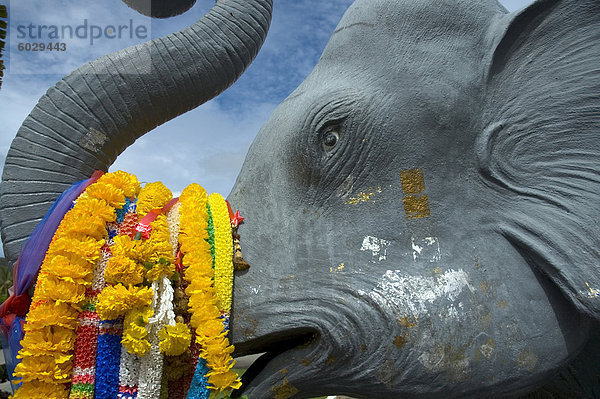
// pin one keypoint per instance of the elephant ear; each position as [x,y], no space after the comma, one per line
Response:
[539,146]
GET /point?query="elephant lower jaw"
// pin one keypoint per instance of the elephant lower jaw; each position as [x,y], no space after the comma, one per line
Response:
[268,374]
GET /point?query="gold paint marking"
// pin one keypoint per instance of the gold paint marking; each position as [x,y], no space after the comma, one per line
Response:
[477,261]
[406,322]
[285,390]
[484,287]
[486,319]
[363,197]
[416,206]
[386,372]
[330,360]
[593,292]
[283,371]
[339,268]
[400,341]
[502,304]
[306,362]
[251,331]
[527,359]
[453,362]
[412,181]
[437,270]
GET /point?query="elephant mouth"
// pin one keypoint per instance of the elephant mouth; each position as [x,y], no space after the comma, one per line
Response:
[273,345]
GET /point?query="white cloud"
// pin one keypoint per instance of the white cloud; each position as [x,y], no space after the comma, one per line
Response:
[206,146]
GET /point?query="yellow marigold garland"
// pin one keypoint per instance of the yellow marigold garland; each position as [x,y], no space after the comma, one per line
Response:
[117,300]
[154,195]
[133,262]
[223,251]
[174,340]
[197,258]
[66,271]
[135,340]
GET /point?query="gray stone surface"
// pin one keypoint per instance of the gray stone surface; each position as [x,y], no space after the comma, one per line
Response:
[421,213]
[494,290]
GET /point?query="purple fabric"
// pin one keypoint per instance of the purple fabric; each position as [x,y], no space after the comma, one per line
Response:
[28,265]
[38,242]
[11,345]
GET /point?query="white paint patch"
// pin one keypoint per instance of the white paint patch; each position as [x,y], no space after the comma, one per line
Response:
[410,295]
[452,312]
[377,246]
[255,290]
[427,249]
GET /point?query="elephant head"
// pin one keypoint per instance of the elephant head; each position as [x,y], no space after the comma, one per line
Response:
[421,210]
[421,213]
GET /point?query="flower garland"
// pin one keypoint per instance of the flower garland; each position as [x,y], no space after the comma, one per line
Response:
[134,262]
[46,368]
[160,269]
[119,284]
[107,361]
[128,363]
[177,342]
[206,316]
[110,331]
[223,252]
[84,361]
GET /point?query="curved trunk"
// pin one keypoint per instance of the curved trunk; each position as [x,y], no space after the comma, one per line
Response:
[94,113]
[160,8]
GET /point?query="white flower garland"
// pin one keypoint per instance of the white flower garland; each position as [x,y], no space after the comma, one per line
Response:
[129,369]
[98,282]
[173,222]
[152,363]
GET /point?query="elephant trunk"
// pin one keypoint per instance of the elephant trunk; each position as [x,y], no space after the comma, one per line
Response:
[90,116]
[160,8]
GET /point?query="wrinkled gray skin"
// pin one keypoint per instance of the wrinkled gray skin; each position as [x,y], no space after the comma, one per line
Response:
[495,294]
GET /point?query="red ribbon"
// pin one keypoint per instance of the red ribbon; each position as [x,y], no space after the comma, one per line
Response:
[178,263]
[144,225]
[16,304]
[236,218]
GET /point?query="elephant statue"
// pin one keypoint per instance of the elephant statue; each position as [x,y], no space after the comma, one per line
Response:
[422,214]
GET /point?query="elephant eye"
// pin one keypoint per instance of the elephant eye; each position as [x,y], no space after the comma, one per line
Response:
[331,136]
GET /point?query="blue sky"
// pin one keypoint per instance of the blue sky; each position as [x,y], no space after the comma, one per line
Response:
[206,145]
